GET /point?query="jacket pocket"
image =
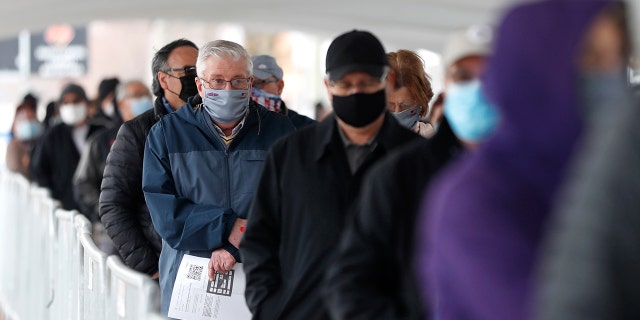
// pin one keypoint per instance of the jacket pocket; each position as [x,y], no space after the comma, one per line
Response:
[253,155]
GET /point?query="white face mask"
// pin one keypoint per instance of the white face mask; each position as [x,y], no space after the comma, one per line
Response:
[108,109]
[73,114]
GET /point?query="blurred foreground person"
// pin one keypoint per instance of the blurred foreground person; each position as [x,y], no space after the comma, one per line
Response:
[58,153]
[122,208]
[592,257]
[267,89]
[378,242]
[25,131]
[310,180]
[409,92]
[484,218]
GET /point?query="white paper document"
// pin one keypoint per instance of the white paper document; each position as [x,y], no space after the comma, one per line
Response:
[195,297]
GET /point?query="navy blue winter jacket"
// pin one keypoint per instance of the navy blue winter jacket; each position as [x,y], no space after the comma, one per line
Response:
[196,187]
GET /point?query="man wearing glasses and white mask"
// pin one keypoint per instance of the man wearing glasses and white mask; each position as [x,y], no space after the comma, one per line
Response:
[290,239]
[202,163]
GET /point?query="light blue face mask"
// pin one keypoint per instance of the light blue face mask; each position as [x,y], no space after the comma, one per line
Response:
[225,106]
[140,105]
[28,130]
[408,118]
[471,117]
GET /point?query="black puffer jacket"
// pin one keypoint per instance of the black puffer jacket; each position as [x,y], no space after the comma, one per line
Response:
[122,207]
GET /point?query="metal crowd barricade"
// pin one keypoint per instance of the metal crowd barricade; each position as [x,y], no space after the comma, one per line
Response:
[50,267]
[65,282]
[132,295]
[82,226]
[37,291]
[94,286]
[14,192]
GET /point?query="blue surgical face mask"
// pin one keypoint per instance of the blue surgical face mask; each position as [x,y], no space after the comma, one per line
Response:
[408,118]
[225,106]
[471,117]
[28,130]
[140,105]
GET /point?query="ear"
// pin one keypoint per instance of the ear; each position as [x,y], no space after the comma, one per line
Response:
[391,79]
[163,78]
[280,85]
[326,85]
[200,88]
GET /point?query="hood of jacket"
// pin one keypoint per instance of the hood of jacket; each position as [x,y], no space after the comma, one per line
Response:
[532,78]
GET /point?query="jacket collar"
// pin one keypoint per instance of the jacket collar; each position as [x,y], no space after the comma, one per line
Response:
[190,114]
[158,108]
[389,136]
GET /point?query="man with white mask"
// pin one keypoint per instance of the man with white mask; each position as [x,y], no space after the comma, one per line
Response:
[56,156]
[202,163]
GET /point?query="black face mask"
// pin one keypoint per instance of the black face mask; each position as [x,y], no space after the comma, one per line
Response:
[360,109]
[189,88]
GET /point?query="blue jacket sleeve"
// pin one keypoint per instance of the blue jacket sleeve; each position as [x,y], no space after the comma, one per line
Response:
[183,224]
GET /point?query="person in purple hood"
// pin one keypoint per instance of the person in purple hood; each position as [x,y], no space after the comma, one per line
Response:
[483,221]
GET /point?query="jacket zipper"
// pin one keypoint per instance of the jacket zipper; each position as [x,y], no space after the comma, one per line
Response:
[228,182]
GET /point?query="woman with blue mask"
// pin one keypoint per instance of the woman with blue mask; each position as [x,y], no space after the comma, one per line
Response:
[409,91]
[25,132]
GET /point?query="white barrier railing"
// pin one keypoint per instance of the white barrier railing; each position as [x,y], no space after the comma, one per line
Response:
[132,294]
[94,288]
[50,267]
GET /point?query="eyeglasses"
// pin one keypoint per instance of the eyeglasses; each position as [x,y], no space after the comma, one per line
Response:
[259,82]
[342,88]
[404,105]
[188,70]
[220,84]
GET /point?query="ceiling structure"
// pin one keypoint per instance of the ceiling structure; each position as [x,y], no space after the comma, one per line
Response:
[407,24]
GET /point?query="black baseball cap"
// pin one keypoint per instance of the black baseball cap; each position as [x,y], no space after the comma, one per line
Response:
[355,51]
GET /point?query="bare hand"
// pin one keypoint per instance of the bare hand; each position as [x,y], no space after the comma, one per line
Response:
[155,275]
[237,231]
[221,261]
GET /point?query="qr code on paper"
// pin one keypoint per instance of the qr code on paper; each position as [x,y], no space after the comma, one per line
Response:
[195,272]
[222,284]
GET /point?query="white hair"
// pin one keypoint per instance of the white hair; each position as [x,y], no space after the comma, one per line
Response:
[222,49]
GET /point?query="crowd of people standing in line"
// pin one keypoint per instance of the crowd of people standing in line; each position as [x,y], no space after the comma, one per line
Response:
[510,195]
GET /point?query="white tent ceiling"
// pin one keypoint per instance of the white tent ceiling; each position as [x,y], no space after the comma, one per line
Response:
[399,23]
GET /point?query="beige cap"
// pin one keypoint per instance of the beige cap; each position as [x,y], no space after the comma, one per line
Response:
[474,40]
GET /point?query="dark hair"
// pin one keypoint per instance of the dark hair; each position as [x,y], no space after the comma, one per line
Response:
[107,86]
[31,99]
[409,70]
[50,113]
[159,62]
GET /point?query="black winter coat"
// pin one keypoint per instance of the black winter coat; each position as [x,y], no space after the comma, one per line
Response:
[299,121]
[373,275]
[54,163]
[122,208]
[298,214]
[88,176]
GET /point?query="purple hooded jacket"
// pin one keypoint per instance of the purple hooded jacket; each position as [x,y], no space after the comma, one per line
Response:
[485,216]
